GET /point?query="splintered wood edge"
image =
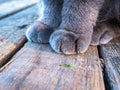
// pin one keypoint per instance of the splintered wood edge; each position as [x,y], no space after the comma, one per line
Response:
[95,65]
[13,42]
[12,50]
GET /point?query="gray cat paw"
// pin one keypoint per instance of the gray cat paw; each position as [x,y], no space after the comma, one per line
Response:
[67,42]
[102,36]
[39,33]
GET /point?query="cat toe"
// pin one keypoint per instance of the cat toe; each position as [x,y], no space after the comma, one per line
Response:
[83,43]
[39,33]
[63,41]
[106,37]
[102,36]
[66,42]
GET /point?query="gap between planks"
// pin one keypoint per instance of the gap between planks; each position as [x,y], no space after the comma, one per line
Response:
[12,32]
[12,7]
[111,58]
[87,75]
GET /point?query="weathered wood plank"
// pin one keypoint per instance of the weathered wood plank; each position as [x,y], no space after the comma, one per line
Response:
[3,1]
[12,30]
[37,67]
[11,7]
[111,55]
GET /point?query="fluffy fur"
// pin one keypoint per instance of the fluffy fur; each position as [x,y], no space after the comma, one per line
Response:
[108,23]
[70,26]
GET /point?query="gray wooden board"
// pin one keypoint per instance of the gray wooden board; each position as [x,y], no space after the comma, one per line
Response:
[37,67]
[3,1]
[11,6]
[111,57]
[12,32]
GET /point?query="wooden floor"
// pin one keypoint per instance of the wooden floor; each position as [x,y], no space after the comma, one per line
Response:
[30,66]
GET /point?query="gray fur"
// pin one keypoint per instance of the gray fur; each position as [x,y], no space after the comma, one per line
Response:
[50,12]
[104,32]
[49,18]
[70,25]
[78,17]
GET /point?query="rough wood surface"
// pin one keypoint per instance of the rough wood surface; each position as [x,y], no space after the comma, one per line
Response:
[12,30]
[3,1]
[37,67]
[111,55]
[12,6]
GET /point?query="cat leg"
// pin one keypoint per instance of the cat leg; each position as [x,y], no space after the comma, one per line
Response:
[103,33]
[75,31]
[50,18]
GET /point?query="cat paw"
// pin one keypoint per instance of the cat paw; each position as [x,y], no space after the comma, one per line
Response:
[39,33]
[102,36]
[66,42]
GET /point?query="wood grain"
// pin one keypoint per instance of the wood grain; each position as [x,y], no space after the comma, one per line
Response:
[111,55]
[13,6]
[37,67]
[12,32]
